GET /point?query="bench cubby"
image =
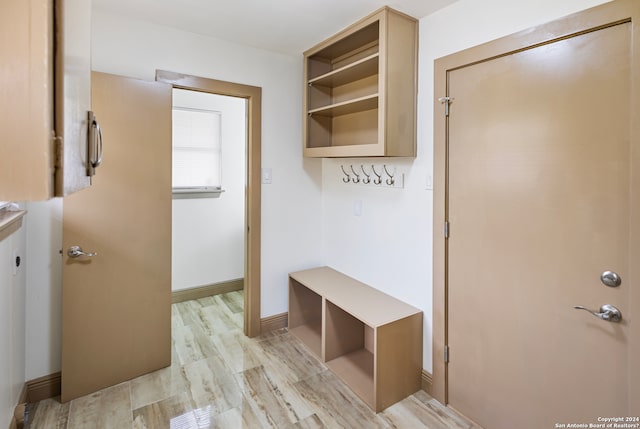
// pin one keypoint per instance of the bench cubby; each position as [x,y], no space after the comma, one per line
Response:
[369,339]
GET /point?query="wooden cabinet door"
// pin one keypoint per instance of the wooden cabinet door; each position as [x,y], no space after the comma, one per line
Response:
[28,117]
[73,94]
[26,96]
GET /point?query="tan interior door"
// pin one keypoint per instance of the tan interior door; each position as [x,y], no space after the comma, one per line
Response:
[116,321]
[539,206]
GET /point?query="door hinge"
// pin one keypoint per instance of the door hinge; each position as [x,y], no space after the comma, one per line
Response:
[446,229]
[446,101]
[446,354]
[58,149]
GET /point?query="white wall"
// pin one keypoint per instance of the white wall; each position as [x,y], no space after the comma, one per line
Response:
[390,245]
[44,288]
[208,233]
[291,205]
[12,324]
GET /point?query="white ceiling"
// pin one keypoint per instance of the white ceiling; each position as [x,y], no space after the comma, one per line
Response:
[287,26]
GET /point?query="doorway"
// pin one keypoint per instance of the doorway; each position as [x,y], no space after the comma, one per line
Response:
[253,96]
[209,139]
[536,160]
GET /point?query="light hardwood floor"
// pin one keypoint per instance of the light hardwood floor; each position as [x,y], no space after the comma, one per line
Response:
[220,378]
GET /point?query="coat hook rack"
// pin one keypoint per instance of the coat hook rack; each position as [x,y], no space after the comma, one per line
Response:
[378,180]
[390,181]
[382,176]
[356,179]
[347,177]
[368,179]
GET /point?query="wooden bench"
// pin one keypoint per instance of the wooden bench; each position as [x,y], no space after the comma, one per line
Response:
[369,339]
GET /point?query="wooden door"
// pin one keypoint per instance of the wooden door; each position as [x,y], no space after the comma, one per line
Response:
[116,321]
[539,199]
[73,94]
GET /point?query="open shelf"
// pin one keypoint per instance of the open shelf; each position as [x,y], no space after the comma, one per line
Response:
[311,336]
[305,321]
[356,370]
[361,69]
[354,46]
[370,66]
[347,107]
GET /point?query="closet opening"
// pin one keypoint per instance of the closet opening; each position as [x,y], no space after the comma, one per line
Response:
[216,212]
[209,147]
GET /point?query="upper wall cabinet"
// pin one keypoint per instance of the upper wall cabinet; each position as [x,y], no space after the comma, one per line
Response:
[50,143]
[361,84]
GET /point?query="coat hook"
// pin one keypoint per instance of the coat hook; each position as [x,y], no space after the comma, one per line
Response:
[379,179]
[368,179]
[357,178]
[390,180]
[346,179]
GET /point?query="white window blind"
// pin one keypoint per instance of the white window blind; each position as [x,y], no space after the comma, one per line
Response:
[196,149]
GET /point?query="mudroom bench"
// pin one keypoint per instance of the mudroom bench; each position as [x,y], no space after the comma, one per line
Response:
[371,340]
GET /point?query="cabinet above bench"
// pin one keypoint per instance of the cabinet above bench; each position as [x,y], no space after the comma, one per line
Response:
[361,88]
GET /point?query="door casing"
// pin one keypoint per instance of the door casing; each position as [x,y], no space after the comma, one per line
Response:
[617,11]
[253,95]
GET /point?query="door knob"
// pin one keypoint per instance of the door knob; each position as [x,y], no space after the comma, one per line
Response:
[607,312]
[76,252]
[611,279]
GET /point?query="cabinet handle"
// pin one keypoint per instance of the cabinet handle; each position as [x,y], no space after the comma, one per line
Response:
[94,145]
[98,160]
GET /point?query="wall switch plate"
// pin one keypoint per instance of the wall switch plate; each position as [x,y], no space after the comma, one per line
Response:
[267,176]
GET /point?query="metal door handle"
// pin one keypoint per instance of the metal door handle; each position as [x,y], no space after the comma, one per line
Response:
[607,312]
[76,252]
[94,145]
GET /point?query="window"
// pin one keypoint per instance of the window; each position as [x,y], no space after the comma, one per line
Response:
[196,152]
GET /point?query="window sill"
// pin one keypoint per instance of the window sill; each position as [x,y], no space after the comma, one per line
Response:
[190,193]
[10,222]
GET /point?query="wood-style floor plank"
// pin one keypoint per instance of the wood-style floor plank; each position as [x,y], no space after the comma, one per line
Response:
[221,379]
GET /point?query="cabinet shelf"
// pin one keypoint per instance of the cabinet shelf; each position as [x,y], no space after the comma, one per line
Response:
[361,69]
[360,104]
[356,370]
[367,71]
[311,336]
[46,94]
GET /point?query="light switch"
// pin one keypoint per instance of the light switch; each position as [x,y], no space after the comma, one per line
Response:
[429,182]
[266,176]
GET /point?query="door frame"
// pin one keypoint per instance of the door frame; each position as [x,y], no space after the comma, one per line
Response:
[582,22]
[253,95]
